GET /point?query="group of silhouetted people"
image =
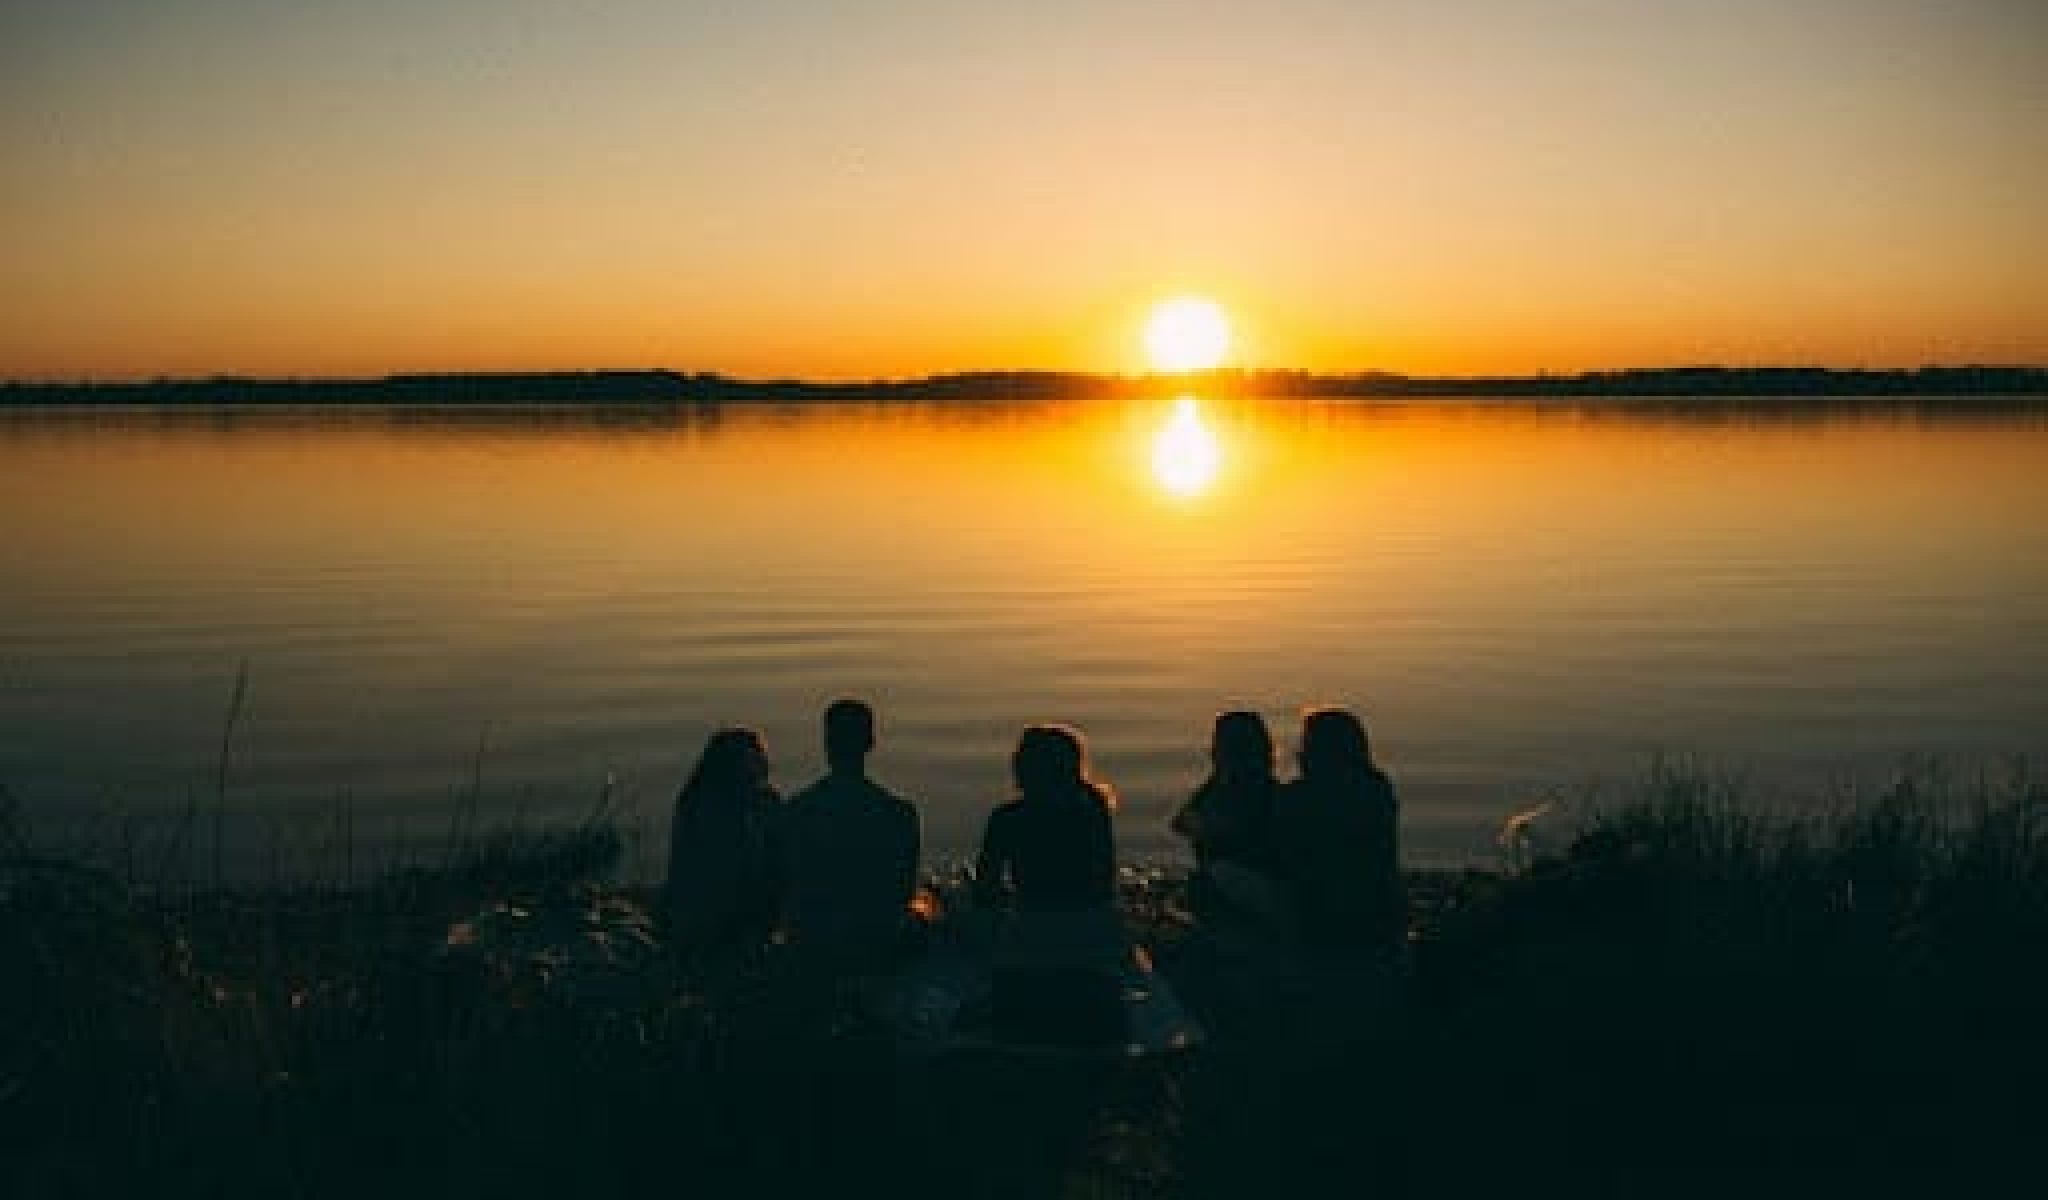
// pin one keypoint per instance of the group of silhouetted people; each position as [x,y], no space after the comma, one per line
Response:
[1314,861]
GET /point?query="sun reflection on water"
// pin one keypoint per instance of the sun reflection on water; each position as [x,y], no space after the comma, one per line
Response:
[1185,454]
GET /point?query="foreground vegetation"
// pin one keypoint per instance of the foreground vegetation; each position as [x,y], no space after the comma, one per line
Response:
[1685,995]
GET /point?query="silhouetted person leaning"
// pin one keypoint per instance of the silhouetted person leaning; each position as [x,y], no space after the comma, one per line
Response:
[724,878]
[1335,839]
[853,849]
[1229,818]
[1050,855]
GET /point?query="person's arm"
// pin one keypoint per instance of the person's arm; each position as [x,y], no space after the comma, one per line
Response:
[1103,853]
[912,850]
[1384,836]
[992,864]
[678,845]
[1383,848]
[777,842]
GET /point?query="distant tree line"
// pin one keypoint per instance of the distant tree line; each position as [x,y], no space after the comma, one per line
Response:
[2022,386]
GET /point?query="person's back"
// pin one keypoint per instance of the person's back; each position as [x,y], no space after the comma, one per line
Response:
[1051,855]
[1335,847]
[852,848]
[1336,838]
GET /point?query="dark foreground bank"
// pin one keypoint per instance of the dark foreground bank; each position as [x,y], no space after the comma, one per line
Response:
[1679,997]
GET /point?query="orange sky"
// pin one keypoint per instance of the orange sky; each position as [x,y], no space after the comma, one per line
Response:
[201,186]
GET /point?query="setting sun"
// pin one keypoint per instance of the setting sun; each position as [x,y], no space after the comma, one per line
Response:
[1187,334]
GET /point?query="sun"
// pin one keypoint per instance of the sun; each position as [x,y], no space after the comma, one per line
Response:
[1187,333]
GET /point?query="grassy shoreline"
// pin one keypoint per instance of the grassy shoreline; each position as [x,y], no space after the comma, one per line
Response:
[1681,995]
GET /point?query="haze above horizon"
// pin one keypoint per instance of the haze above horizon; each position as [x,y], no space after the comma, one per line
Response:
[286,188]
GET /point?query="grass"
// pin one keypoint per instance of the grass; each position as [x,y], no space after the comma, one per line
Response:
[1688,993]
[1702,990]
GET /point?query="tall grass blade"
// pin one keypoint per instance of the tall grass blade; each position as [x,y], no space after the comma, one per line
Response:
[220,777]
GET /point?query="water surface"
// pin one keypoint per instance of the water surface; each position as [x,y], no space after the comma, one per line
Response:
[520,605]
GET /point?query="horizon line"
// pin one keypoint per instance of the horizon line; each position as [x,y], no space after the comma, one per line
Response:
[1348,375]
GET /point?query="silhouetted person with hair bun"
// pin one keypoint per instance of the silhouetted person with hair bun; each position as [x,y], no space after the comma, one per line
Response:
[853,848]
[1336,840]
[724,880]
[1050,856]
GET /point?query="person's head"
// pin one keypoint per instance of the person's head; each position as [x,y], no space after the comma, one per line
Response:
[734,763]
[1241,746]
[1333,744]
[849,733]
[1051,762]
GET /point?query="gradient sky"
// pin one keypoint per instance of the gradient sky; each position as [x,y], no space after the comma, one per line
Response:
[869,189]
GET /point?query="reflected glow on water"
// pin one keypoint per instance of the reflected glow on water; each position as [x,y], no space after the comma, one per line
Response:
[1185,454]
[1517,599]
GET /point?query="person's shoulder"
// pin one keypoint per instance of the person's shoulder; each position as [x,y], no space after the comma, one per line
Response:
[1239,793]
[811,796]
[880,803]
[903,810]
[881,793]
[1006,813]
[1304,804]
[1100,802]
[1002,829]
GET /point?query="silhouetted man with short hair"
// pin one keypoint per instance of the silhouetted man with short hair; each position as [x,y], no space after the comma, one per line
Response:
[853,849]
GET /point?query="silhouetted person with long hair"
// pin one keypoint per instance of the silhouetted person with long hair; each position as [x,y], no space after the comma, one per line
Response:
[853,848]
[1230,815]
[1050,855]
[1051,848]
[723,887]
[1229,821]
[1336,840]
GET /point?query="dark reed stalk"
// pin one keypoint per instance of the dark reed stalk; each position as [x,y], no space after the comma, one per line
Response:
[220,778]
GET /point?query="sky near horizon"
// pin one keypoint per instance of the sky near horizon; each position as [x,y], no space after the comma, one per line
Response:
[900,188]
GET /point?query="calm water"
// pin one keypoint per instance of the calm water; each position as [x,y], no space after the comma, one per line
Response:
[1518,600]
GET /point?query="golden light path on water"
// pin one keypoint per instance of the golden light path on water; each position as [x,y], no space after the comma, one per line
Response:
[1185,455]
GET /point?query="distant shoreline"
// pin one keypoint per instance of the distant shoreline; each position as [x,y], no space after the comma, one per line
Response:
[1998,385]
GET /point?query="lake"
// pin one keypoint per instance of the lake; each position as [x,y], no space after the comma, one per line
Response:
[506,609]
